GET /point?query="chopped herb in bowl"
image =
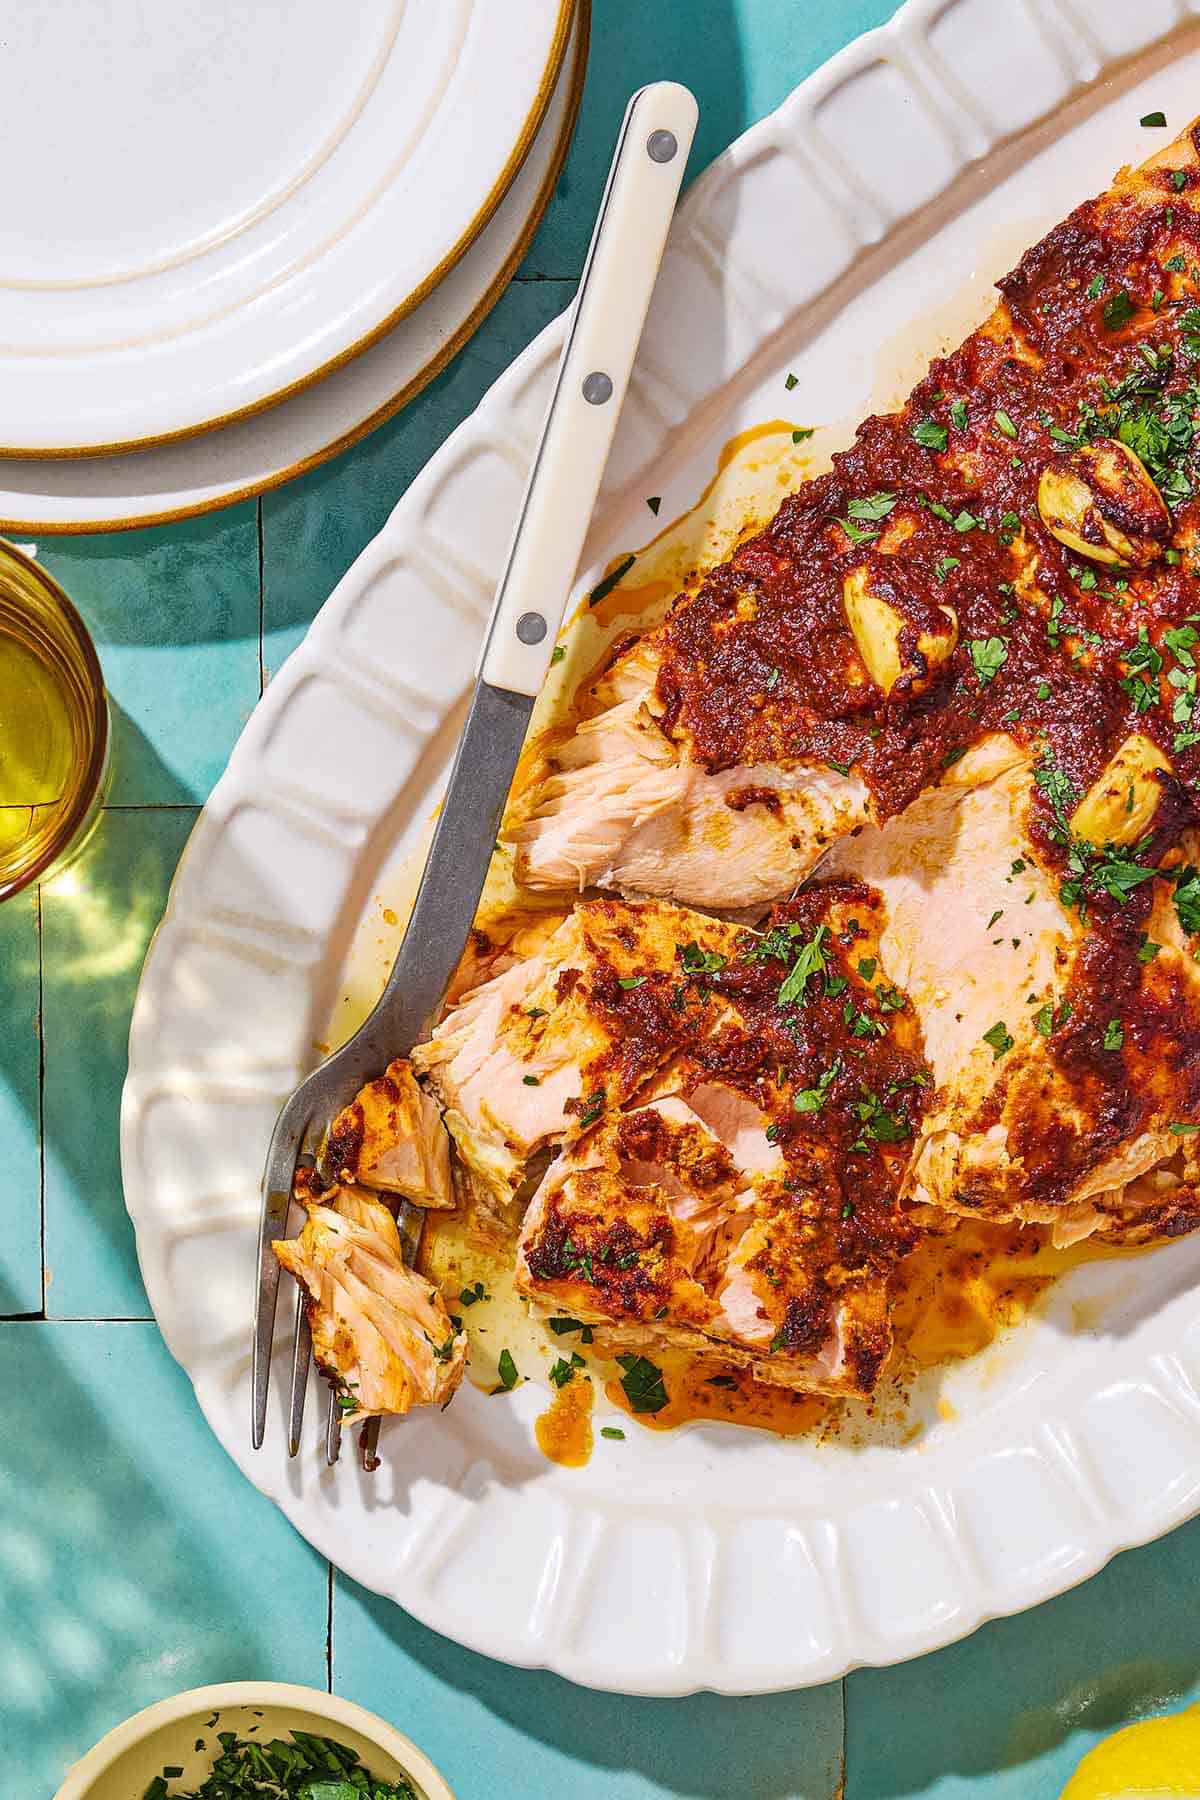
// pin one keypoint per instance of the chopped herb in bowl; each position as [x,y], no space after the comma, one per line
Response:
[306,1768]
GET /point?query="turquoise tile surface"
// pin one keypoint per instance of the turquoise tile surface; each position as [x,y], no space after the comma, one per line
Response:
[20,1057]
[497,1732]
[120,1578]
[741,58]
[1007,1714]
[97,921]
[175,614]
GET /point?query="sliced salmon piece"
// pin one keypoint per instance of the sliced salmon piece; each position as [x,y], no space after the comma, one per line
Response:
[539,1051]
[624,807]
[980,940]
[380,1331]
[391,1137]
[651,1231]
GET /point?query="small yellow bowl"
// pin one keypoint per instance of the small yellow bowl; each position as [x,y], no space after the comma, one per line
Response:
[123,1764]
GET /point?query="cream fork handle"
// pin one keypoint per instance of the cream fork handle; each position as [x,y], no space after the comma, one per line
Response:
[606,326]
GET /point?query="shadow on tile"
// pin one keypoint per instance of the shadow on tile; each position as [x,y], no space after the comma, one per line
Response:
[493,1729]
[1031,1693]
[97,920]
[121,1580]
[20,1054]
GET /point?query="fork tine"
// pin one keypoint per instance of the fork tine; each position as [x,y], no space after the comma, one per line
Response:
[333,1429]
[274,1218]
[368,1445]
[301,1357]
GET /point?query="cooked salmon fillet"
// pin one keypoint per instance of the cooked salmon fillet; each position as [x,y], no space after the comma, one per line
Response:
[651,1230]
[1053,1094]
[732,1110]
[626,807]
[380,1331]
[540,1050]
[942,714]
[1012,550]
[390,1137]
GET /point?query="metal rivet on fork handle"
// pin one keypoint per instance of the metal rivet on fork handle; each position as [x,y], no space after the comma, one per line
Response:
[597,387]
[531,628]
[661,146]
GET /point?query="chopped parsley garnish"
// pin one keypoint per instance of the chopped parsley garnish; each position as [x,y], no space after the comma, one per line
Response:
[613,1431]
[810,961]
[1187,898]
[1000,1039]
[721,1381]
[966,521]
[1047,1020]
[305,1768]
[654,502]
[1147,949]
[506,1368]
[616,574]
[1114,1035]
[531,1080]
[563,1371]
[1178,180]
[1004,424]
[790,381]
[700,962]
[471,1296]
[772,679]
[629,982]
[946,565]
[560,1326]
[998,914]
[643,1384]
[1152,119]
[593,1107]
[959,416]
[839,768]
[1119,310]
[1095,287]
[813,1099]
[557,654]
[802,432]
[929,434]
[1178,1129]
[877,1123]
[1145,663]
[864,516]
[867,967]
[988,657]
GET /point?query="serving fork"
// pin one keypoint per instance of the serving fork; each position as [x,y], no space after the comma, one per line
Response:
[605,327]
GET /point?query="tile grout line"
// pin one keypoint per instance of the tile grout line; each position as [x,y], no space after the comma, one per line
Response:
[262,600]
[329,1629]
[41,1031]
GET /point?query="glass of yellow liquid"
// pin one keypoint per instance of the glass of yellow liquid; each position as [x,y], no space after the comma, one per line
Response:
[54,733]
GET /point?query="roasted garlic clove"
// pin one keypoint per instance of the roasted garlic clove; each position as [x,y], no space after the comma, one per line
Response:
[1120,805]
[889,648]
[1102,503]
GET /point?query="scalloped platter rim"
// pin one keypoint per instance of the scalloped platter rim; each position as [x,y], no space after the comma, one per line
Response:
[709,1557]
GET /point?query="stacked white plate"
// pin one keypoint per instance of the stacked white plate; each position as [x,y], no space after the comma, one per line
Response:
[260,227]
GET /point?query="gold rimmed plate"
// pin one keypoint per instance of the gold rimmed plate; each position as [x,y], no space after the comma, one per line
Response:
[198,474]
[235,209]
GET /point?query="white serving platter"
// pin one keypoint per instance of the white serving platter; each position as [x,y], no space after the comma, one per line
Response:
[841,239]
[230,197]
[195,474]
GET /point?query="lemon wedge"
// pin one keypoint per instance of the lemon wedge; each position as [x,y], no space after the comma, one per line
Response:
[1159,1759]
